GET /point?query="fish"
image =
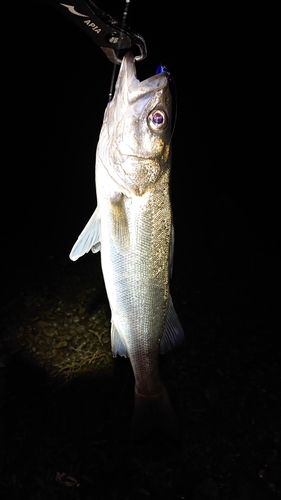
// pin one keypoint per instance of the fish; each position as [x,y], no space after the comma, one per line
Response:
[132,227]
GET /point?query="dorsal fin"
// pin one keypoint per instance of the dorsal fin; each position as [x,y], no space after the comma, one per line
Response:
[173,334]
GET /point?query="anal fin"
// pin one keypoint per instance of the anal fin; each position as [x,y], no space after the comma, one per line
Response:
[117,344]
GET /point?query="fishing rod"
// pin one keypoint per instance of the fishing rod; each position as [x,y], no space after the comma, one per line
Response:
[111,35]
[107,32]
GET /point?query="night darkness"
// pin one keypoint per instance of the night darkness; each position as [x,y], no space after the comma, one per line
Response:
[225,380]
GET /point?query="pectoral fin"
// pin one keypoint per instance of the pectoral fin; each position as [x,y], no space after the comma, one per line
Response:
[119,224]
[173,334]
[89,239]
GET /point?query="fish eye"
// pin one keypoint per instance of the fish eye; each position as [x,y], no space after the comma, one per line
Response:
[157,119]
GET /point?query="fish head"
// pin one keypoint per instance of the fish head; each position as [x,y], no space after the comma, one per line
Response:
[137,126]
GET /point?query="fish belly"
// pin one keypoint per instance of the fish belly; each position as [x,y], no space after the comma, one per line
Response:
[137,279]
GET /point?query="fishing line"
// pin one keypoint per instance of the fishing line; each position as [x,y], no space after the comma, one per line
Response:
[175,107]
[163,69]
[123,25]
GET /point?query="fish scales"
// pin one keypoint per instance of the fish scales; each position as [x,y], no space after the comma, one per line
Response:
[140,311]
[133,228]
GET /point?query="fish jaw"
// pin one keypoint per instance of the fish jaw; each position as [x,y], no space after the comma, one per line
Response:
[134,149]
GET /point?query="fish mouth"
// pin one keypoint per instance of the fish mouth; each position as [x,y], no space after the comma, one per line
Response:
[135,88]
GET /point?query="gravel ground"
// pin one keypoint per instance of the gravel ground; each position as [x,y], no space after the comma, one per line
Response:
[67,405]
[60,323]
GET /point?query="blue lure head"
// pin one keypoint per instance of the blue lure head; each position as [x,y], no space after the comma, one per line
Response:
[162,69]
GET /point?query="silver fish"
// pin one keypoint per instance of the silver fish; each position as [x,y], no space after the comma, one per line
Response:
[132,226]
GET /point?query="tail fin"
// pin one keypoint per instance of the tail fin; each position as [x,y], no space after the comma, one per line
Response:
[151,412]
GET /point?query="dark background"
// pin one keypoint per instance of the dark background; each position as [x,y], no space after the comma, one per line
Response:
[225,168]
[225,379]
